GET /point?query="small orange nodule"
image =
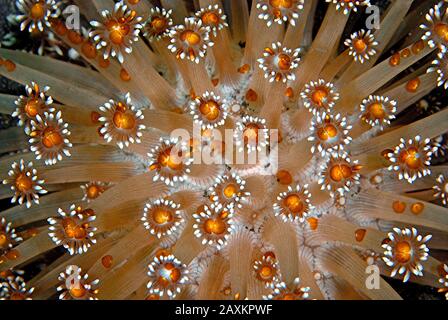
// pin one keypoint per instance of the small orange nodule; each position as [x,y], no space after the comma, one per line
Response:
[376,110]
[124,75]
[215,226]
[210,19]
[60,28]
[284,177]
[402,251]
[360,234]
[244,68]
[251,95]
[294,204]
[133,2]
[340,172]
[103,63]
[411,158]
[3,240]
[210,109]
[441,30]
[319,96]
[406,53]
[32,107]
[395,60]
[215,82]
[124,120]
[313,222]
[289,92]
[37,11]
[417,208]
[95,116]
[328,131]
[162,216]
[75,37]
[51,138]
[89,50]
[413,85]
[31,233]
[418,46]
[398,206]
[359,45]
[23,183]
[10,66]
[153,297]
[190,37]
[107,261]
[12,254]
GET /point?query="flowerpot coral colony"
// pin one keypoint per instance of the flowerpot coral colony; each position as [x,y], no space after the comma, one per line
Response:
[91,166]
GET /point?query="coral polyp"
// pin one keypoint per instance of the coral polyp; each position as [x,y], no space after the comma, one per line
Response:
[265,149]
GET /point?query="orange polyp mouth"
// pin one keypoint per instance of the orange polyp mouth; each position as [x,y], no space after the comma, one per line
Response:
[281,4]
[118,31]
[169,274]
[210,18]
[215,226]
[327,132]
[23,183]
[360,45]
[73,230]
[284,62]
[319,96]
[51,138]
[162,216]
[294,204]
[32,107]
[159,24]
[376,110]
[93,192]
[78,291]
[210,109]
[411,158]
[403,252]
[124,120]
[173,162]
[37,11]
[230,191]
[266,272]
[341,172]
[190,37]
[441,30]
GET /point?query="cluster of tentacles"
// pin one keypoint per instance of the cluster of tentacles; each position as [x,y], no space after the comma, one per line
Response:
[96,171]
